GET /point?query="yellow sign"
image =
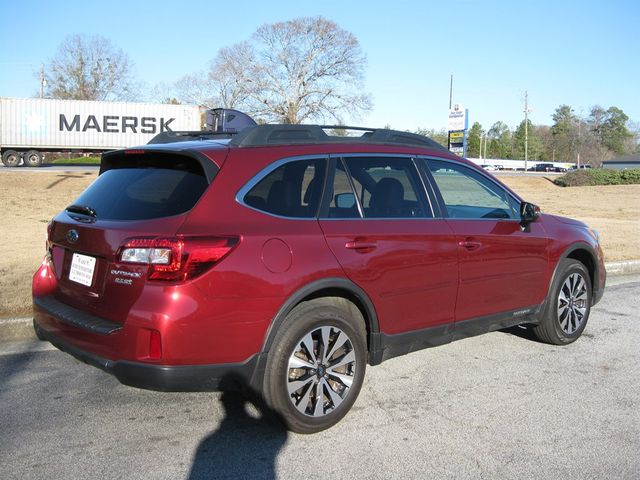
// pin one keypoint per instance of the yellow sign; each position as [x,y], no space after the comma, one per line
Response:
[456,137]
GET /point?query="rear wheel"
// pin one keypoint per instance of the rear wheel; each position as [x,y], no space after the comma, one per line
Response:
[316,365]
[32,158]
[11,158]
[568,306]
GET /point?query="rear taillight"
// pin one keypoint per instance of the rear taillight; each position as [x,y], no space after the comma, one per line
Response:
[176,259]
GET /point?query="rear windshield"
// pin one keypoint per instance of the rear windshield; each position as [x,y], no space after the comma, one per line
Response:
[143,193]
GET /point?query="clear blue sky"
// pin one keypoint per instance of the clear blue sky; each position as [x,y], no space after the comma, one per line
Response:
[579,53]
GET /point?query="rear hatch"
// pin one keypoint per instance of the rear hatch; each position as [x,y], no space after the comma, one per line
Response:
[138,195]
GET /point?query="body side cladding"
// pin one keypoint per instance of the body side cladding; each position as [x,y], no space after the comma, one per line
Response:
[390,346]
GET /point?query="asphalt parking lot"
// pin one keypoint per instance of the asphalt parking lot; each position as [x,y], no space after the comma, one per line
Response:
[495,406]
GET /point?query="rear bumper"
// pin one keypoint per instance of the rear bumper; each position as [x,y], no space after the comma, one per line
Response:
[165,378]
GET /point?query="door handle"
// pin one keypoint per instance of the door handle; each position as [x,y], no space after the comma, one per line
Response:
[469,245]
[361,246]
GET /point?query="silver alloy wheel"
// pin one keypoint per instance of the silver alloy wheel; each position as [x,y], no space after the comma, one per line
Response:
[321,371]
[572,303]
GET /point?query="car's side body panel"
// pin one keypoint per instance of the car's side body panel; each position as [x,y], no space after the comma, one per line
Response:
[502,267]
[410,271]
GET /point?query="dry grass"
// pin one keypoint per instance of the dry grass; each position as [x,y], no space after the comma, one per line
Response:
[610,209]
[30,199]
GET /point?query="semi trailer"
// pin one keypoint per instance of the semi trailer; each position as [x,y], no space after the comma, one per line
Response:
[33,128]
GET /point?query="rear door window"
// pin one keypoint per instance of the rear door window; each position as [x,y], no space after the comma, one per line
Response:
[385,187]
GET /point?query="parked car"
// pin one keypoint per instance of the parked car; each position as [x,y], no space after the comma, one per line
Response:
[542,167]
[284,260]
[490,168]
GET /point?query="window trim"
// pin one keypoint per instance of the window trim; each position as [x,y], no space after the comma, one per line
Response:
[347,172]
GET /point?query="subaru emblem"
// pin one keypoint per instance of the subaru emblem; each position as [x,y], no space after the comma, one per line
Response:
[72,236]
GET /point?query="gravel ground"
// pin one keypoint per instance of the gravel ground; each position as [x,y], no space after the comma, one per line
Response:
[495,406]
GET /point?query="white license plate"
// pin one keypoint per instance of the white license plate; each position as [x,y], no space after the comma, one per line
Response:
[82,268]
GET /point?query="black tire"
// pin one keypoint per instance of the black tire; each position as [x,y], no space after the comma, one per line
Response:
[292,392]
[568,305]
[32,158]
[11,158]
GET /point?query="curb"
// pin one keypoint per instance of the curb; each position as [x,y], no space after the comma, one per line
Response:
[13,329]
[627,267]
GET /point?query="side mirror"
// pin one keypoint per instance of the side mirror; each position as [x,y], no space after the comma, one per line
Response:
[345,200]
[528,213]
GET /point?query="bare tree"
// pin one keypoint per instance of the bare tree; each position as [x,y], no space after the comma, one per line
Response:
[233,73]
[225,85]
[89,68]
[197,90]
[295,71]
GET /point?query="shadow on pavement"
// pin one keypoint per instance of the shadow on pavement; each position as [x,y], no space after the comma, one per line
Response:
[246,444]
[12,365]
[522,332]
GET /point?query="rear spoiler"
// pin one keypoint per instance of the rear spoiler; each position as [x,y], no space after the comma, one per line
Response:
[139,157]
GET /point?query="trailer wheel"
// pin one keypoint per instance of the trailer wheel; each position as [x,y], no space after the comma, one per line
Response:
[32,158]
[11,158]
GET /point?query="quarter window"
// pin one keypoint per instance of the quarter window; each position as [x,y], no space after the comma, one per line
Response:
[291,190]
[468,194]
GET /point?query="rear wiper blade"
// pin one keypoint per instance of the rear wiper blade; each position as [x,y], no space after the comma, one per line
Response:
[83,209]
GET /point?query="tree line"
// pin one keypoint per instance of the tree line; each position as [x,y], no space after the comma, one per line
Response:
[310,69]
[590,139]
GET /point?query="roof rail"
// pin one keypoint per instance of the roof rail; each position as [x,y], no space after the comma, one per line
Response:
[261,135]
[171,136]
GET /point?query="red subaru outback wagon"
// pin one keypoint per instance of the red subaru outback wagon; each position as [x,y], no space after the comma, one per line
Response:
[288,257]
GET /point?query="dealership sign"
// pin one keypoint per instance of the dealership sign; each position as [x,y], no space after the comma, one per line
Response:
[457,126]
[457,118]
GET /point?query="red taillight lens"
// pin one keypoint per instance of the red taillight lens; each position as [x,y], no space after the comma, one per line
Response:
[176,259]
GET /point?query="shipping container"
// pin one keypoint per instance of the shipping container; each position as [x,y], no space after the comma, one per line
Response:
[31,128]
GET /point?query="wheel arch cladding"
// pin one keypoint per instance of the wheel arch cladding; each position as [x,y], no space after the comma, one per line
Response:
[337,288]
[584,255]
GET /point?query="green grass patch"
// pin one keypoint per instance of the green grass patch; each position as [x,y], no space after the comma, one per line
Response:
[592,177]
[75,161]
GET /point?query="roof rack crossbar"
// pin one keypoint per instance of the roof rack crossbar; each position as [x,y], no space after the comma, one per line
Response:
[313,134]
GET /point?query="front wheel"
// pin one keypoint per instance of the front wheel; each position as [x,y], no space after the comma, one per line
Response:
[568,305]
[316,366]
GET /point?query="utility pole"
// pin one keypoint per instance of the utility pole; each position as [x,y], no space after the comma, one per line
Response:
[486,140]
[450,98]
[526,130]
[578,149]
